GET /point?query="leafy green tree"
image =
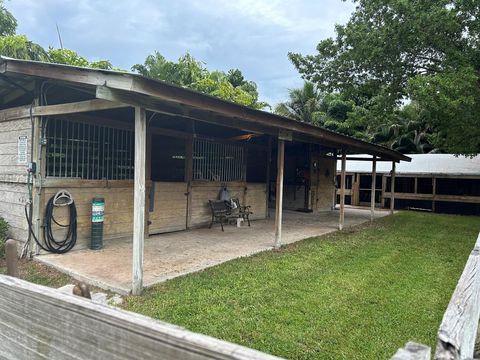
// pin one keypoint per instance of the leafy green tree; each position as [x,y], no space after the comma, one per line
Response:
[66,57]
[70,57]
[394,50]
[410,133]
[8,23]
[19,47]
[309,104]
[191,73]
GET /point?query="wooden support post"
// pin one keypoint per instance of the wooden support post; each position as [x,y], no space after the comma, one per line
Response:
[11,257]
[335,185]
[279,193]
[384,189]
[434,192]
[267,177]
[392,189]
[139,200]
[374,183]
[148,178]
[37,156]
[342,190]
[415,186]
[189,178]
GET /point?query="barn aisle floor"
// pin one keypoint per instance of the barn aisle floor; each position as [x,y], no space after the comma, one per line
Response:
[174,254]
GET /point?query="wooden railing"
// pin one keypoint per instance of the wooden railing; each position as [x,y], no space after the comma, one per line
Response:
[37,322]
[458,331]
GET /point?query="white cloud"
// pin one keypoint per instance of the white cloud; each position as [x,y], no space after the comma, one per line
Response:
[252,35]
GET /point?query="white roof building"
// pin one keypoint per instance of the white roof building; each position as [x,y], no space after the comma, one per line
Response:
[439,164]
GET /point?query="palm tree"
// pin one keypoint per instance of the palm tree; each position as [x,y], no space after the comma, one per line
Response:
[304,104]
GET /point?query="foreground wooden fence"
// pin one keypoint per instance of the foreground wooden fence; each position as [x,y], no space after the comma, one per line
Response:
[458,330]
[37,322]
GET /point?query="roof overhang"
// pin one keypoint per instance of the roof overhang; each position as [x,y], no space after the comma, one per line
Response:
[158,96]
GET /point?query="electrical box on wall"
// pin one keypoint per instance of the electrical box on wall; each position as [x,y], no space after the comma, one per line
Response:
[32,167]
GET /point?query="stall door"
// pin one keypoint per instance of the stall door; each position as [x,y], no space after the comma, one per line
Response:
[168,211]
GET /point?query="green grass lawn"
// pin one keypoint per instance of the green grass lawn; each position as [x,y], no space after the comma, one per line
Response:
[38,273]
[360,294]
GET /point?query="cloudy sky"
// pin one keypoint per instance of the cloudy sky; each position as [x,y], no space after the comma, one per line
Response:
[252,35]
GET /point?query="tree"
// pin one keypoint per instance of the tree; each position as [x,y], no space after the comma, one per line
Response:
[309,104]
[304,104]
[70,57]
[391,51]
[19,47]
[191,73]
[410,133]
[8,23]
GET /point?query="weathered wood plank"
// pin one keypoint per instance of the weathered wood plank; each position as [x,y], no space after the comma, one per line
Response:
[58,109]
[47,324]
[139,208]
[413,351]
[457,333]
[279,193]
[342,190]
[374,183]
[392,187]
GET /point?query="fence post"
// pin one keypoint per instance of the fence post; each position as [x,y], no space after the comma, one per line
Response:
[11,257]
[413,351]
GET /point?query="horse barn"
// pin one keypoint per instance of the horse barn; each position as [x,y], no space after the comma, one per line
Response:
[442,183]
[155,155]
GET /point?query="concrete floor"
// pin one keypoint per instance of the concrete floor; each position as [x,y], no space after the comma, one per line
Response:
[174,254]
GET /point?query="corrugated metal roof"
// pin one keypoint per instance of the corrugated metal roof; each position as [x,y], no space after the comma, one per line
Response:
[447,164]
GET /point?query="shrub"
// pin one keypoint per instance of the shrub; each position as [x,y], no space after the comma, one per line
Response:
[3,236]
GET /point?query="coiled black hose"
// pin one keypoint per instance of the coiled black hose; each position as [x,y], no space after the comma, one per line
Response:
[51,244]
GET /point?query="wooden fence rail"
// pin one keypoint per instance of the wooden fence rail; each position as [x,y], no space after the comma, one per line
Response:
[37,322]
[458,331]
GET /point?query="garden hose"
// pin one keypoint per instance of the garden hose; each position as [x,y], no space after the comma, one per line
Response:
[51,244]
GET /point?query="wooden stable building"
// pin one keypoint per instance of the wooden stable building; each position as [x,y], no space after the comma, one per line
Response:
[442,183]
[156,153]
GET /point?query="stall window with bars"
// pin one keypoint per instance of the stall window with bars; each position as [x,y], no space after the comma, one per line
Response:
[218,161]
[88,151]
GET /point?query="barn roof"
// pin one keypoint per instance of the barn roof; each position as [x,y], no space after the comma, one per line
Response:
[438,164]
[154,95]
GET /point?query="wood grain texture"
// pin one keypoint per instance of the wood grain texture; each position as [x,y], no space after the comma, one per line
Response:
[392,185]
[170,207]
[413,351]
[342,191]
[13,198]
[279,193]
[372,193]
[326,184]
[139,208]
[457,333]
[45,324]
[118,207]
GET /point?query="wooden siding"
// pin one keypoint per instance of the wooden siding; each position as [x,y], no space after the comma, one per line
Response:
[118,210]
[12,208]
[249,193]
[256,197]
[169,208]
[37,322]
[13,177]
[326,184]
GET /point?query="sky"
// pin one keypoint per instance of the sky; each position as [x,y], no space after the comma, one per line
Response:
[251,35]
